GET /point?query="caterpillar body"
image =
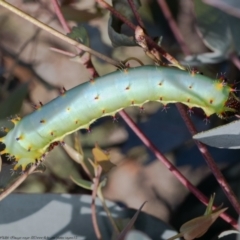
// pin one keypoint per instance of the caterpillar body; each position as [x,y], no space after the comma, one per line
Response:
[77,108]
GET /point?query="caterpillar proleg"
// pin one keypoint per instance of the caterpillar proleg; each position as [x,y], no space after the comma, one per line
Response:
[77,108]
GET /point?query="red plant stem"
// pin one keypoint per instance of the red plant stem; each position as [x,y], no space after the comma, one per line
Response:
[60,16]
[150,42]
[136,14]
[210,161]
[87,60]
[174,27]
[181,178]
[202,148]
[88,64]
[171,167]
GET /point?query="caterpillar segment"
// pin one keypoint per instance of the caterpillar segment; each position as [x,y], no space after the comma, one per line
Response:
[77,108]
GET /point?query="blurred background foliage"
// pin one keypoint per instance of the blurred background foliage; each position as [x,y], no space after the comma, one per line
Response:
[31,72]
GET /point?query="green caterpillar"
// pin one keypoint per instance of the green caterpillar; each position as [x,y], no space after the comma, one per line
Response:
[77,108]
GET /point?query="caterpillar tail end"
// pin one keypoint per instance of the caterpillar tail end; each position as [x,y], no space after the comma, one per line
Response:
[20,163]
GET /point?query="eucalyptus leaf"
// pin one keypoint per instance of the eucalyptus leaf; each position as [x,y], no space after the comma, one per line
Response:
[115,26]
[198,226]
[219,32]
[232,7]
[228,232]
[136,235]
[119,39]
[227,136]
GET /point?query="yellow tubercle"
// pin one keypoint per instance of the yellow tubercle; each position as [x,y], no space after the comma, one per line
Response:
[15,120]
[219,85]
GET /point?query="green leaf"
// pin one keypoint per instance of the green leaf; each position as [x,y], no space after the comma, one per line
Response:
[82,183]
[115,25]
[79,34]
[209,206]
[219,32]
[231,7]
[197,227]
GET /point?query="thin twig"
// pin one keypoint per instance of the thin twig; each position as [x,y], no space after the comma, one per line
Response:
[136,14]
[21,179]
[86,59]
[57,34]
[60,16]
[174,27]
[171,167]
[96,180]
[150,42]
[102,199]
[63,52]
[72,42]
[210,161]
